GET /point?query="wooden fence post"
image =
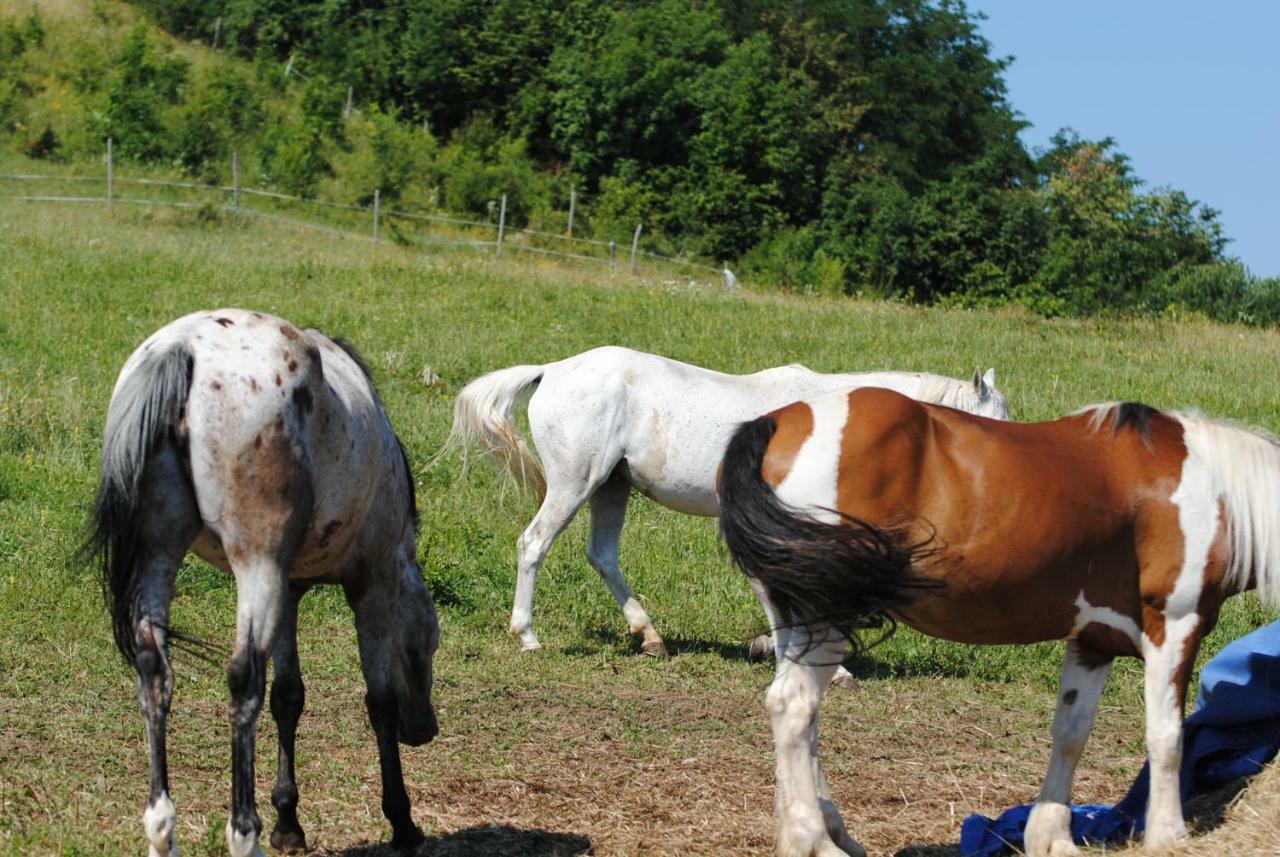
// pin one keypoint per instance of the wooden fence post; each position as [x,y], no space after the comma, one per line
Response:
[377,211]
[573,204]
[502,224]
[111,177]
[350,94]
[613,255]
[635,244]
[235,180]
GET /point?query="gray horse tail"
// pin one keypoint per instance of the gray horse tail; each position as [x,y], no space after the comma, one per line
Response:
[143,413]
[482,418]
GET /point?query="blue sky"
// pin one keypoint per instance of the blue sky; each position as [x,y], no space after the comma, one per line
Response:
[1189,90]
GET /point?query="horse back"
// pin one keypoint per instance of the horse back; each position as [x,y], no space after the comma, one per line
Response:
[287,443]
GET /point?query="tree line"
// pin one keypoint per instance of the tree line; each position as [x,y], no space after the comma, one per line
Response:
[822,146]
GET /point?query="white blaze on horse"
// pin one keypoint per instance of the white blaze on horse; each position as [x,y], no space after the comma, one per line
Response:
[264,449]
[610,419]
[1121,529]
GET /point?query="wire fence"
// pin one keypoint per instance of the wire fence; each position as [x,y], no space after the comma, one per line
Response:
[370,223]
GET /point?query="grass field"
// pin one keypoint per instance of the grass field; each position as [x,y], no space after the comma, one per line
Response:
[586,745]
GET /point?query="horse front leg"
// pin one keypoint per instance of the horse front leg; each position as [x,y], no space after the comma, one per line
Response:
[288,695]
[262,598]
[809,823]
[1167,671]
[1083,678]
[376,638]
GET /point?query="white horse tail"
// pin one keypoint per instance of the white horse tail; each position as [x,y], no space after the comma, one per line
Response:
[482,418]
[148,404]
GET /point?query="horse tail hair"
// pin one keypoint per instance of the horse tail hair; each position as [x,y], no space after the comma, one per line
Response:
[482,418]
[146,407]
[847,575]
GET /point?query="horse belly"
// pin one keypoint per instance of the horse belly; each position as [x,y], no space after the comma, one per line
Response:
[995,609]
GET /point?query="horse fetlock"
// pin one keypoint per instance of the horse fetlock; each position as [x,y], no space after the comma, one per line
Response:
[1049,831]
[243,844]
[652,645]
[287,839]
[159,821]
[820,845]
[528,640]
[761,647]
[1163,831]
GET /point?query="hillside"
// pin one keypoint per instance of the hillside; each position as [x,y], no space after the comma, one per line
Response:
[819,148]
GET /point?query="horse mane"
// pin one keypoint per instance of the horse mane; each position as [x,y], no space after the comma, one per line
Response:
[355,356]
[950,392]
[1125,415]
[358,359]
[1244,469]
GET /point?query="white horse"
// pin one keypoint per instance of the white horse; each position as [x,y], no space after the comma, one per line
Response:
[610,419]
[265,449]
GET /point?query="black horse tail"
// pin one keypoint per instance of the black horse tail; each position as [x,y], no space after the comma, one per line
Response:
[143,413]
[846,575]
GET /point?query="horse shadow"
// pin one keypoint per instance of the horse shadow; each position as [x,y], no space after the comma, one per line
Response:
[496,840]
[598,638]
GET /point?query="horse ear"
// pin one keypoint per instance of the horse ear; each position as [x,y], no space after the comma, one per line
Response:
[977,379]
[990,378]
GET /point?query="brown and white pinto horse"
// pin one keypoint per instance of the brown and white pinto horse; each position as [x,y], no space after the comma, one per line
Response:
[1119,528]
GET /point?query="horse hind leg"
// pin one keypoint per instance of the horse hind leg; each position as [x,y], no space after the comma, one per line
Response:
[168,523]
[288,695]
[809,823]
[608,511]
[1048,831]
[563,500]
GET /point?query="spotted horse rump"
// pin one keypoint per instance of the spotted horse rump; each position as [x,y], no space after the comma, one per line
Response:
[1120,528]
[263,448]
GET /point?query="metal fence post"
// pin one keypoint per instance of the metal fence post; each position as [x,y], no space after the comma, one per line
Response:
[573,204]
[235,180]
[502,224]
[377,211]
[111,177]
[635,244]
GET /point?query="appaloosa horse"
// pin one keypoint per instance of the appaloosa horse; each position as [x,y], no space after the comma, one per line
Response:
[265,449]
[1120,528]
[610,419]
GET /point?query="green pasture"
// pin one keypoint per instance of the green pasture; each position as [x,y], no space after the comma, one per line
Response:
[79,290]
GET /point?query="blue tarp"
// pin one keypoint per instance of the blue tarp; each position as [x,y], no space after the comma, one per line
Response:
[1233,733]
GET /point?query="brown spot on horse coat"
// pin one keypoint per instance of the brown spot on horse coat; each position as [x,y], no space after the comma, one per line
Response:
[794,425]
[293,365]
[289,331]
[253,384]
[215,385]
[278,380]
[225,322]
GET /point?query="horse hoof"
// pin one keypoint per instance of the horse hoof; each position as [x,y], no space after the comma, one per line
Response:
[761,647]
[654,649]
[288,841]
[407,839]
